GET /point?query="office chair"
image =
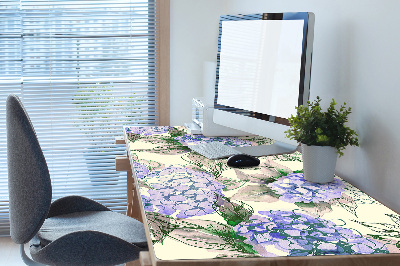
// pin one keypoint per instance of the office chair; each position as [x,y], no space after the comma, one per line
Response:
[70,231]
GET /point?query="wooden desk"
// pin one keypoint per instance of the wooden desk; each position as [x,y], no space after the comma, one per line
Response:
[200,212]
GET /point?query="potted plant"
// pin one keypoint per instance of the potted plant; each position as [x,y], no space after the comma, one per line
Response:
[323,135]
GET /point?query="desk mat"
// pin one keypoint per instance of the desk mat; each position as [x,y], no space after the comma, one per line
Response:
[198,208]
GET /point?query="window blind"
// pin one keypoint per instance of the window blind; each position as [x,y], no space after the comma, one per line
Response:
[83,69]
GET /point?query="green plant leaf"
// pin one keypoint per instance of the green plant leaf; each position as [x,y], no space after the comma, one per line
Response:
[312,126]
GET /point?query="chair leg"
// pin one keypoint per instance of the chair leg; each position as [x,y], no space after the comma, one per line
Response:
[26,259]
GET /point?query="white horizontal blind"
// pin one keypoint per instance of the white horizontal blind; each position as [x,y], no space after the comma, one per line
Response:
[82,69]
[10,82]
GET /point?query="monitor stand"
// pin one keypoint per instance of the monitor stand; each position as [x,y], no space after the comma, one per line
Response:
[264,150]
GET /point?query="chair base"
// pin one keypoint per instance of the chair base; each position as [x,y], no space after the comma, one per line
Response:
[26,259]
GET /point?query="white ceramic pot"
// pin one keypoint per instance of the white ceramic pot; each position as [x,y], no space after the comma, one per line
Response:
[319,163]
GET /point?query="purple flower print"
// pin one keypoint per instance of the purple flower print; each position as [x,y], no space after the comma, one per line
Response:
[141,170]
[298,234]
[182,191]
[147,131]
[294,188]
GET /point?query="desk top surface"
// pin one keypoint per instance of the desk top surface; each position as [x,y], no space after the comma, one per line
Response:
[198,208]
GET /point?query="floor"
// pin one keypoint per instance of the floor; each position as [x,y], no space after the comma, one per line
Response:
[9,253]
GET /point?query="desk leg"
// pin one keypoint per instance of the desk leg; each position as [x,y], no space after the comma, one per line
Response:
[144,260]
[133,210]
[129,193]
[133,263]
[133,198]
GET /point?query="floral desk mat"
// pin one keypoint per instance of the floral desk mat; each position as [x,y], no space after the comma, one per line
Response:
[198,208]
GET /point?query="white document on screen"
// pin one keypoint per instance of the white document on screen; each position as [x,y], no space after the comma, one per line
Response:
[260,63]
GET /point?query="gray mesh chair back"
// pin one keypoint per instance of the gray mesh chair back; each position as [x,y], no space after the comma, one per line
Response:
[28,176]
[72,230]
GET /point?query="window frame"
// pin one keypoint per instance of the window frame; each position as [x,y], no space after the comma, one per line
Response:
[163,42]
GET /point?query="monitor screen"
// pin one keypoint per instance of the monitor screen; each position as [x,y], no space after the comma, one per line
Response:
[263,71]
[260,63]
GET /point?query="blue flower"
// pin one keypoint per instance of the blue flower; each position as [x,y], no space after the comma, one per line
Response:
[147,131]
[298,234]
[181,191]
[141,170]
[294,188]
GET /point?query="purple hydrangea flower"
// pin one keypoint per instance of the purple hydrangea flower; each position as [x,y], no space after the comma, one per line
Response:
[148,131]
[199,139]
[294,188]
[141,170]
[299,234]
[185,191]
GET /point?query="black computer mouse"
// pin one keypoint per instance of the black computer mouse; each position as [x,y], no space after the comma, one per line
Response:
[242,160]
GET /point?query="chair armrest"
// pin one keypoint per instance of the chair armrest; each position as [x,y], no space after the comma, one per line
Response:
[72,204]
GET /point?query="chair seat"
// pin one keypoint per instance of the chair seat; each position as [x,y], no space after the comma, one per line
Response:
[108,222]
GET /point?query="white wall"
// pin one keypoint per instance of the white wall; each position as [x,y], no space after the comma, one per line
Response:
[194,41]
[356,60]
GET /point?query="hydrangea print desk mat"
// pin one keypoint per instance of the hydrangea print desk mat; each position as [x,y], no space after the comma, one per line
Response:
[198,208]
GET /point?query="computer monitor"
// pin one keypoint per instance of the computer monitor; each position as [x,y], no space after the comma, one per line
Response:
[263,73]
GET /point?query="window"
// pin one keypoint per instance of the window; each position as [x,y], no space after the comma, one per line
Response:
[82,69]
